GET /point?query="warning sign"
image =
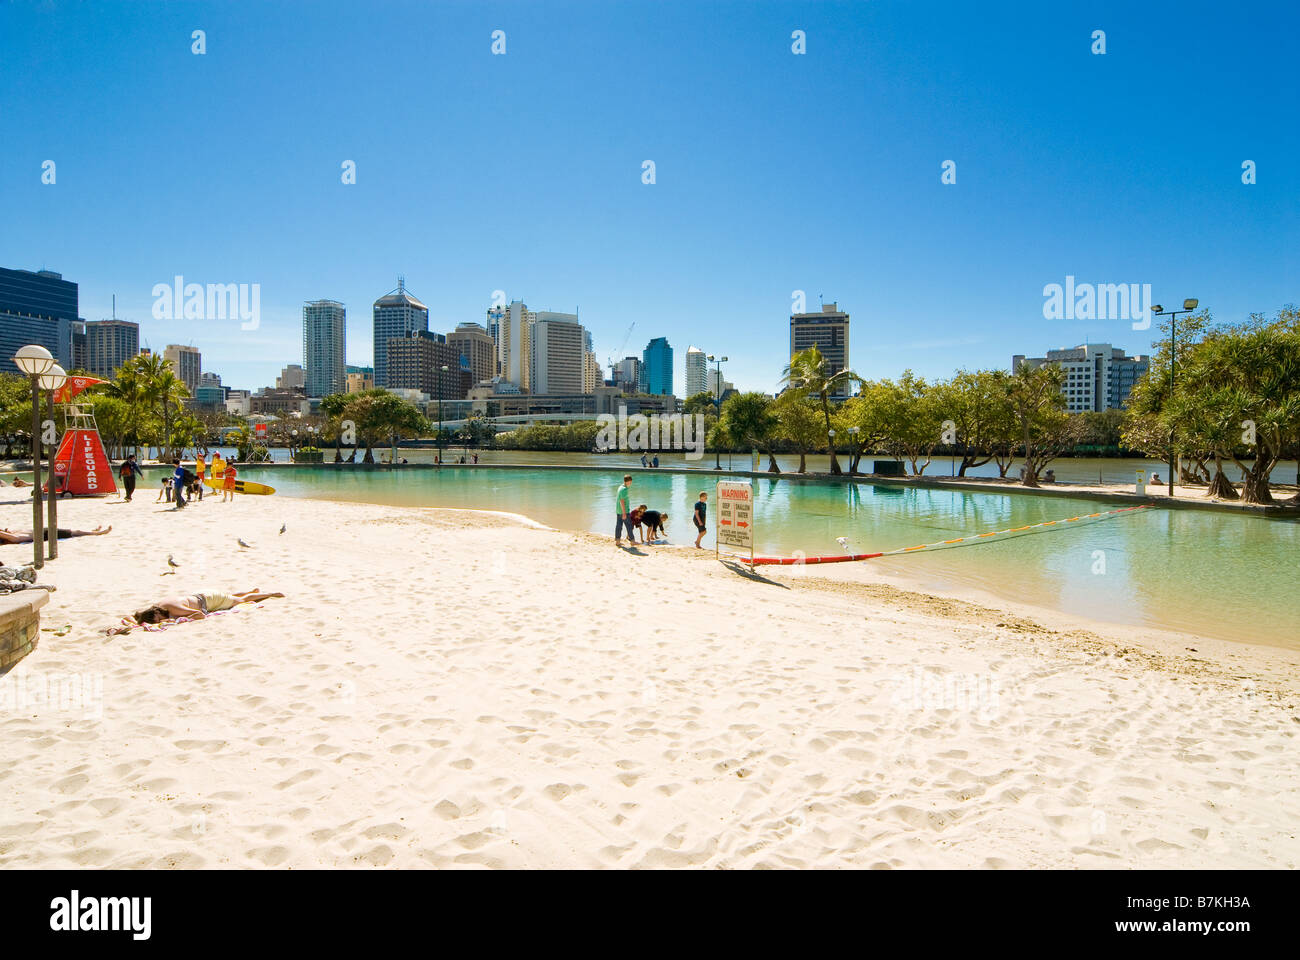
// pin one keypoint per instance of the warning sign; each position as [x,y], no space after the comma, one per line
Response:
[736,515]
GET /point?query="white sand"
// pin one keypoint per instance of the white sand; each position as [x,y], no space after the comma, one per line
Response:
[443,688]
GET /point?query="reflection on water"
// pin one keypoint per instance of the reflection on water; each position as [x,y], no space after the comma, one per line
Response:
[1224,575]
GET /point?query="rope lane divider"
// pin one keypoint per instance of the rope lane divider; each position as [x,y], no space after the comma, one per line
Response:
[943,544]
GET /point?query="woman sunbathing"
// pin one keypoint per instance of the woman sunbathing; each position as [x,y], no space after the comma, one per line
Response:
[195,606]
[25,536]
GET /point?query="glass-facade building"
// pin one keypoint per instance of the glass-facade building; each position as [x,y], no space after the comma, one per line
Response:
[36,307]
[657,367]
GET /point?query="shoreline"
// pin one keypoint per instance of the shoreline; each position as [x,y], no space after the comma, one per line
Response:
[457,688]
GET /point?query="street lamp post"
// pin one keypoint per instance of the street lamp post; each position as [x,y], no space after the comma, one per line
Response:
[853,460]
[830,437]
[34,360]
[52,380]
[717,404]
[1188,306]
[440,373]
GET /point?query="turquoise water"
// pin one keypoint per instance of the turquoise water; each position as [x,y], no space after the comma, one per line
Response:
[1218,574]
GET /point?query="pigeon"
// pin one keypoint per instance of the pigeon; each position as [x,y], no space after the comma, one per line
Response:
[844,542]
[283,526]
[244,545]
[171,563]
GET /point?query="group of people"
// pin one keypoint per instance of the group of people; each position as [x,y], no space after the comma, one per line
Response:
[646,461]
[182,481]
[651,523]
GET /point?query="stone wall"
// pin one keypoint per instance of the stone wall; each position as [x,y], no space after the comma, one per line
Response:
[20,625]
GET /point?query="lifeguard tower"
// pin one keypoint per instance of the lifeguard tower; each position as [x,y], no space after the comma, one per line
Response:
[81,466]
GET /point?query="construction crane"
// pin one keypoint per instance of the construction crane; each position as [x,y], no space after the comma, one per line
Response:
[621,347]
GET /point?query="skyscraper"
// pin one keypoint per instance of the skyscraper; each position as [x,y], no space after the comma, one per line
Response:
[324,329]
[829,330]
[657,376]
[187,364]
[592,377]
[476,346]
[512,325]
[36,307]
[556,357]
[627,375]
[109,344]
[697,371]
[396,314]
[416,361]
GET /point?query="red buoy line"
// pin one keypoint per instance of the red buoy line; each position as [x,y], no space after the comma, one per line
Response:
[941,544]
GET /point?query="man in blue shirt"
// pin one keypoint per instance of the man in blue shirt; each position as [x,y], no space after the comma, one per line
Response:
[178,485]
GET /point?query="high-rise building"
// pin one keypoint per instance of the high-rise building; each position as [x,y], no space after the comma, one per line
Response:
[187,364]
[396,314]
[109,344]
[292,377]
[324,330]
[513,334]
[627,375]
[592,376]
[1098,376]
[477,348]
[829,331]
[697,371]
[37,307]
[716,385]
[209,394]
[657,377]
[415,362]
[556,359]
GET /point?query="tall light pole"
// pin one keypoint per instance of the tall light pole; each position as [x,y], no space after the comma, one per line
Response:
[1188,306]
[717,404]
[34,360]
[52,380]
[440,373]
[853,456]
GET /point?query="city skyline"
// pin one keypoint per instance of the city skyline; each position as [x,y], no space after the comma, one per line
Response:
[757,195]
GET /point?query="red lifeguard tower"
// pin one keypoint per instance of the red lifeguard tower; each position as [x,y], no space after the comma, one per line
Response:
[81,466]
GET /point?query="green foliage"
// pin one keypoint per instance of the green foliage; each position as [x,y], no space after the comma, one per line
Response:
[577,437]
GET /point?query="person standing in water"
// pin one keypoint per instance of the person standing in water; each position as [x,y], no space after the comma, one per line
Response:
[624,519]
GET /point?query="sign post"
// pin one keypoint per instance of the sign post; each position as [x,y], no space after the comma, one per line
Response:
[735,516]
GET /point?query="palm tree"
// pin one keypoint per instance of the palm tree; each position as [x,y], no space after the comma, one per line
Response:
[809,373]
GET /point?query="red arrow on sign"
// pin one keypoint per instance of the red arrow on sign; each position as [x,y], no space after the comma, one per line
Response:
[742,523]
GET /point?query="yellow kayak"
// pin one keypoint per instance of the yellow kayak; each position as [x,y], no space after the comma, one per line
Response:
[241,486]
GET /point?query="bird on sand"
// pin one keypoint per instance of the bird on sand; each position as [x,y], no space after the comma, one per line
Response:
[171,563]
[243,544]
[283,527]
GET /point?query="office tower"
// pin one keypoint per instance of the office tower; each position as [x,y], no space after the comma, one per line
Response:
[829,330]
[109,344]
[37,307]
[292,377]
[415,362]
[627,375]
[556,358]
[396,314]
[187,364]
[716,385]
[477,347]
[1097,375]
[324,327]
[512,325]
[657,374]
[697,370]
[209,394]
[592,376]
[360,378]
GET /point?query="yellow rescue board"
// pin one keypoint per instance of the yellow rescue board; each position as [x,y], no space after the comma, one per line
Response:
[241,486]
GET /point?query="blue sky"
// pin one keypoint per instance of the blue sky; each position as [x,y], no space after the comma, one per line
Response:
[775,172]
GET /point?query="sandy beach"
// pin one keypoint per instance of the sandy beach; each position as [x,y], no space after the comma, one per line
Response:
[446,688]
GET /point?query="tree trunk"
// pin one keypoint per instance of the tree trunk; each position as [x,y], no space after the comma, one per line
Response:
[1220,486]
[370,455]
[803,462]
[772,466]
